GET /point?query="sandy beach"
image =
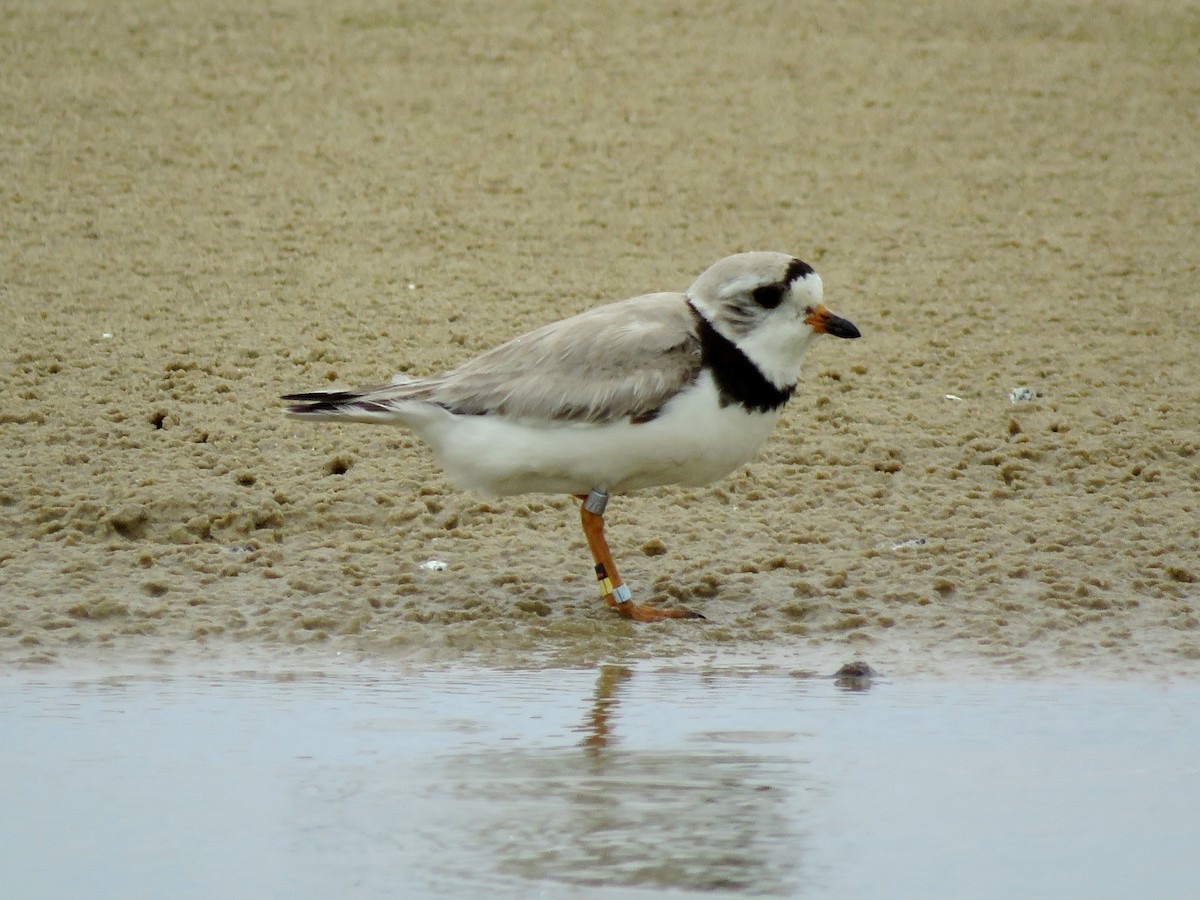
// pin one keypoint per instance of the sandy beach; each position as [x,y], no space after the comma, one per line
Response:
[208,205]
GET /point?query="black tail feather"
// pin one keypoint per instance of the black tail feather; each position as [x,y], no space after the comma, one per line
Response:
[316,402]
[322,396]
[313,402]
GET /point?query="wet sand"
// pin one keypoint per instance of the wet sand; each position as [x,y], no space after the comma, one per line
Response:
[206,207]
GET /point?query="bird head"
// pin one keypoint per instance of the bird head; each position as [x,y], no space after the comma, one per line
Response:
[771,305]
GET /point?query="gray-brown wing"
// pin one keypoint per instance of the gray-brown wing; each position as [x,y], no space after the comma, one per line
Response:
[623,360]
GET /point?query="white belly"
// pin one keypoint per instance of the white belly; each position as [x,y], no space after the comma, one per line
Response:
[694,441]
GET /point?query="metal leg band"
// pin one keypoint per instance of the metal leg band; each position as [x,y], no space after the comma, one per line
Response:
[597,500]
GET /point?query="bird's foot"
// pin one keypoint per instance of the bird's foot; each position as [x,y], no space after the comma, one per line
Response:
[640,612]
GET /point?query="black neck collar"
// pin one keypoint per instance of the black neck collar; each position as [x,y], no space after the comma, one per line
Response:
[737,378]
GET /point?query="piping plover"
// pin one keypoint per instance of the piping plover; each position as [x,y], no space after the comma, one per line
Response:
[666,388]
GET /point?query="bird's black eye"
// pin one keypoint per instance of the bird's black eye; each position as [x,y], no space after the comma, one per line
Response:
[769,296]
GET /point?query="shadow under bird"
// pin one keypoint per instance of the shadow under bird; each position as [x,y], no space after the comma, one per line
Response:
[665,388]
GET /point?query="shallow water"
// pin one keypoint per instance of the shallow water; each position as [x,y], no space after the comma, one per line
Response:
[616,782]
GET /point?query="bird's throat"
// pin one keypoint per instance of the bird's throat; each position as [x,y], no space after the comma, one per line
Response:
[737,378]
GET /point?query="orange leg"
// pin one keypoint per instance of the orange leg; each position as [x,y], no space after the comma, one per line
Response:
[612,590]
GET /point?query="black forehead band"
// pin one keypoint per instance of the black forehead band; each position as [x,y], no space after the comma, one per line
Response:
[796,270]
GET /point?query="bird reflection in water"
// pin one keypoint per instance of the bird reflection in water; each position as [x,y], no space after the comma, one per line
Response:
[598,731]
[666,809]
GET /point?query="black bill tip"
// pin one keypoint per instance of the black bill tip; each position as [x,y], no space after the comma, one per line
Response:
[842,328]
